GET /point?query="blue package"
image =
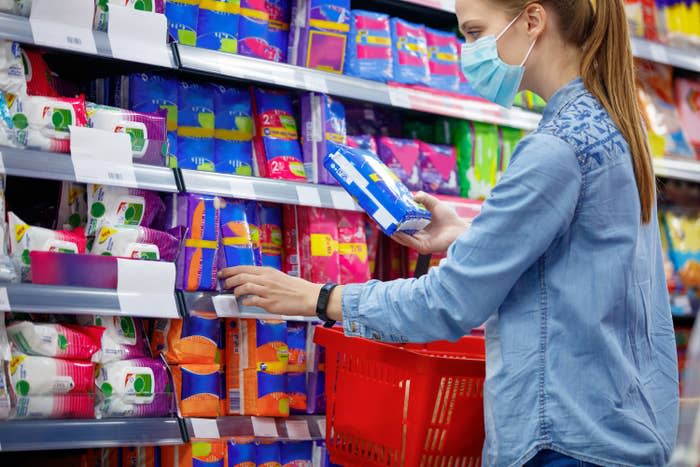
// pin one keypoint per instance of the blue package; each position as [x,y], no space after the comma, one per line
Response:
[268,453]
[324,127]
[377,190]
[241,452]
[195,131]
[284,159]
[233,131]
[240,234]
[252,30]
[443,53]
[410,52]
[297,454]
[278,33]
[270,217]
[369,51]
[217,26]
[182,18]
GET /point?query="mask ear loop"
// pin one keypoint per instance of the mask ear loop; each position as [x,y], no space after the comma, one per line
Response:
[509,25]
[528,53]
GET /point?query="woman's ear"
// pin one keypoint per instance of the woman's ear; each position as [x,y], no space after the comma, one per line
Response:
[536,16]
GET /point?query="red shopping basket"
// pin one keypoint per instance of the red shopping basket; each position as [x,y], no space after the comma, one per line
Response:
[403,405]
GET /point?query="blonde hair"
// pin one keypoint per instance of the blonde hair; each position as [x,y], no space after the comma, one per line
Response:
[600,29]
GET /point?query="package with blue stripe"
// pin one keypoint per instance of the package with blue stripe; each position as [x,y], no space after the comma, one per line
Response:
[369,53]
[217,25]
[377,190]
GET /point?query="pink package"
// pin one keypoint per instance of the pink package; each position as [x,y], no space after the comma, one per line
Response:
[43,376]
[311,244]
[352,248]
[688,101]
[55,406]
[55,340]
[438,169]
[366,142]
[401,156]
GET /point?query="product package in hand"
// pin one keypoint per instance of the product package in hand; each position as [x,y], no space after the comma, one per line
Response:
[240,233]
[377,190]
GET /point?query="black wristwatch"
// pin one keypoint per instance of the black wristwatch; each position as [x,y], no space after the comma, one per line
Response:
[322,304]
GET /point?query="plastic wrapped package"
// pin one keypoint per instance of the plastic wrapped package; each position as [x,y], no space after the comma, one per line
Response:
[72,206]
[233,132]
[279,12]
[5,357]
[44,376]
[233,365]
[297,454]
[296,370]
[352,248]
[366,142]
[240,234]
[253,26]
[182,20]
[12,133]
[199,453]
[192,339]
[311,244]
[241,452]
[477,157]
[54,406]
[688,100]
[47,121]
[271,240]
[124,338]
[438,169]
[683,233]
[198,389]
[316,374]
[411,63]
[102,9]
[369,51]
[121,206]
[135,242]
[55,340]
[12,79]
[401,156]
[323,123]
[195,130]
[509,139]
[217,25]
[443,53]
[268,453]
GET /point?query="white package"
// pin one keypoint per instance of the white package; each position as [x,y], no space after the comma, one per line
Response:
[12,77]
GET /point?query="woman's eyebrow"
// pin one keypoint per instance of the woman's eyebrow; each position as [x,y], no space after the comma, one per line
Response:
[467,24]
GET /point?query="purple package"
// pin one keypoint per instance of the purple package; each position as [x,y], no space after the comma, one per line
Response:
[401,156]
[109,205]
[135,242]
[134,388]
[438,169]
[319,33]
[124,338]
[323,127]
[148,132]
[194,219]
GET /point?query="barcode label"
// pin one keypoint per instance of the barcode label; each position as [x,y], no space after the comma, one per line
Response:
[234,405]
[115,176]
[74,40]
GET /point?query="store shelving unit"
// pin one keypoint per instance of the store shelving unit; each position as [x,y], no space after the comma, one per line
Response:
[294,428]
[42,435]
[679,169]
[225,305]
[688,59]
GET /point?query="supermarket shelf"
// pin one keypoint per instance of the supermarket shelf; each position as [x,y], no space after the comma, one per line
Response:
[679,169]
[36,298]
[225,305]
[294,428]
[263,189]
[54,166]
[688,59]
[280,74]
[39,435]
[17,28]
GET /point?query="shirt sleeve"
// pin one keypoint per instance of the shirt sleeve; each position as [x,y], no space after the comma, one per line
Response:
[533,204]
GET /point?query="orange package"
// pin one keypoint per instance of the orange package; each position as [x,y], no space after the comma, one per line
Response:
[198,389]
[195,454]
[233,362]
[264,361]
[193,339]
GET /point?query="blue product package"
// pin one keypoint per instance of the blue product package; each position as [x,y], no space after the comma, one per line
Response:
[240,235]
[377,190]
[410,52]
[270,218]
[443,52]
[268,453]
[149,93]
[278,33]
[233,130]
[217,26]
[324,127]
[195,131]
[369,51]
[284,158]
[299,454]
[241,452]
[182,18]
[252,30]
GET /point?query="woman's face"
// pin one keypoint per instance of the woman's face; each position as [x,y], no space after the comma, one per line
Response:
[480,18]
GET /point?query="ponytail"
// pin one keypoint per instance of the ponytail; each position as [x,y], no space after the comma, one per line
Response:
[608,73]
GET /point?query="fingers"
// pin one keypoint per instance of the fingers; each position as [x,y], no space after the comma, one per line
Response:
[406,240]
[249,288]
[430,202]
[252,270]
[256,301]
[235,281]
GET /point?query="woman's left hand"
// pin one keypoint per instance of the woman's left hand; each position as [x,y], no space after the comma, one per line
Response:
[272,290]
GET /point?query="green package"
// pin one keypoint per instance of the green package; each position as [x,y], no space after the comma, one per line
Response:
[509,139]
[477,157]
[417,129]
[442,131]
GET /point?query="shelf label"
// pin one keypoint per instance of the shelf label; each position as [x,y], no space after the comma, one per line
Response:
[140,36]
[322,426]
[101,156]
[298,429]
[204,428]
[309,196]
[146,288]
[4,300]
[658,53]
[226,306]
[242,189]
[67,27]
[342,200]
[399,97]
[314,82]
[264,427]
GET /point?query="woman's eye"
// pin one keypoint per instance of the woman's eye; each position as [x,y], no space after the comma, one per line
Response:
[471,36]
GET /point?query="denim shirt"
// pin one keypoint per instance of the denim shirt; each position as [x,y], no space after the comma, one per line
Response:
[581,355]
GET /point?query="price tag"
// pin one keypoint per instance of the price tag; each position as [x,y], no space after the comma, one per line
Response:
[264,427]
[309,196]
[4,300]
[68,26]
[314,82]
[399,98]
[101,156]
[146,288]
[342,200]
[322,426]
[283,76]
[242,189]
[139,36]
[205,428]
[226,306]
[658,53]
[297,429]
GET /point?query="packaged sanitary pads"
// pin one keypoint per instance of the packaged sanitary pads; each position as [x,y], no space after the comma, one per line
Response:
[12,134]
[54,406]
[12,78]
[443,53]
[233,132]
[477,157]
[411,63]
[47,121]
[5,357]
[135,242]
[55,340]
[120,206]
[233,365]
[102,9]
[148,132]
[198,216]
[192,339]
[198,389]
[43,376]
[323,123]
[297,454]
[319,34]
[72,207]
[123,339]
[369,51]
[134,388]
[270,217]
[182,20]
[401,156]
[311,244]
[264,362]
[279,12]
[241,452]
[316,374]
[509,139]
[366,142]
[195,130]
[217,25]
[209,453]
[252,30]
[352,248]
[268,453]
[240,234]
[296,376]
[438,169]
[377,190]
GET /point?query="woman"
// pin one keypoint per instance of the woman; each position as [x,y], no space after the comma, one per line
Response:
[564,263]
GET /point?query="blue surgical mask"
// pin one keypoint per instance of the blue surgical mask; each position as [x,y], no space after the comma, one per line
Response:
[487,74]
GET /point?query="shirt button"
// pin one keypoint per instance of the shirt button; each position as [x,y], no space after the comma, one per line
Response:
[376,336]
[353,326]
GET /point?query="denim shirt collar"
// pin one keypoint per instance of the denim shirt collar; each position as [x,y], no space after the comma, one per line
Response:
[562,97]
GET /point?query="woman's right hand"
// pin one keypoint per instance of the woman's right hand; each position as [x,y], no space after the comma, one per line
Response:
[442,231]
